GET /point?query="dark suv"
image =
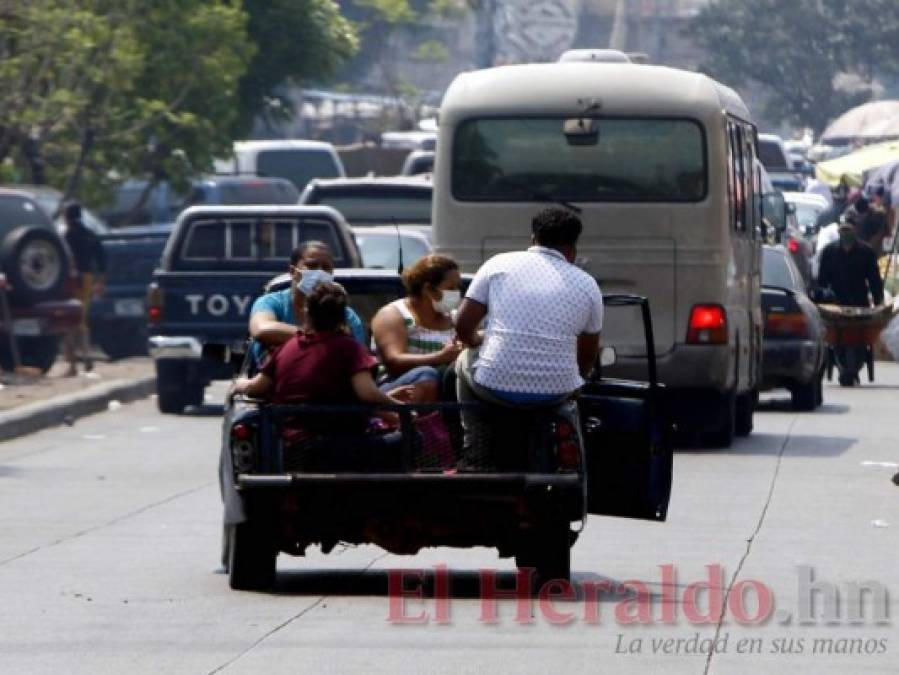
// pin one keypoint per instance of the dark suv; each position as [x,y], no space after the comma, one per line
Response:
[36,305]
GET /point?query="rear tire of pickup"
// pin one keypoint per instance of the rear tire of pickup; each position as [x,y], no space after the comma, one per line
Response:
[252,558]
[34,352]
[174,390]
[547,550]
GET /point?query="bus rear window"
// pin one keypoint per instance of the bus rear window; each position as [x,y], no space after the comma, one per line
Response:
[532,159]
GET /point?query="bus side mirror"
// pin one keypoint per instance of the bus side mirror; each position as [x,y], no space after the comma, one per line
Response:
[774,210]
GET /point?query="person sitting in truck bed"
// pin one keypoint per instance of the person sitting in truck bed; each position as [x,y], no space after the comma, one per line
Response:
[275,317]
[415,335]
[323,366]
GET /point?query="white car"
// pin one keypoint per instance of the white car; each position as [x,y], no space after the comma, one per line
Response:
[380,246]
[809,207]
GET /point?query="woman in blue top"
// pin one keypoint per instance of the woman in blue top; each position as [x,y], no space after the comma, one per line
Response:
[275,316]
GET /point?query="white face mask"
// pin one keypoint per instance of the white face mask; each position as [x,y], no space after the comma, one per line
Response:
[449,302]
[311,279]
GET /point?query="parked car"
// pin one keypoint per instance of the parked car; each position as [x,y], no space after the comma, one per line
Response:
[296,160]
[418,162]
[793,347]
[380,246]
[397,200]
[522,487]
[215,263]
[37,307]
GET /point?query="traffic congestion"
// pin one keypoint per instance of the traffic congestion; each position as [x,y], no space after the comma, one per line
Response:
[588,365]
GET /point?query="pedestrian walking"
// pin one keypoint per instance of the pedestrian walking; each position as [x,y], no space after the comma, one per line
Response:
[90,270]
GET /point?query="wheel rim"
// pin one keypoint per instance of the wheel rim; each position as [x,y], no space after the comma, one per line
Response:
[39,265]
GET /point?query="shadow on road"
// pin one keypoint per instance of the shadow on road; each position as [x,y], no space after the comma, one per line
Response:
[463,584]
[786,405]
[771,444]
[205,410]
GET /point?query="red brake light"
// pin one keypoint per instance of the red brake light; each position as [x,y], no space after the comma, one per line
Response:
[708,325]
[564,431]
[154,303]
[793,245]
[569,454]
[241,432]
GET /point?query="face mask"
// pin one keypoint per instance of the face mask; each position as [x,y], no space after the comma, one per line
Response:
[448,302]
[311,279]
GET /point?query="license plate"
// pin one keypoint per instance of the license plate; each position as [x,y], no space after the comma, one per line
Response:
[129,307]
[26,327]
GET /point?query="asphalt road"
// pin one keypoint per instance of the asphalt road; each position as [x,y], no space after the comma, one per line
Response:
[110,534]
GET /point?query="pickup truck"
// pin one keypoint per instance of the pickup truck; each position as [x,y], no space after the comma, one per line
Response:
[215,264]
[36,296]
[518,489]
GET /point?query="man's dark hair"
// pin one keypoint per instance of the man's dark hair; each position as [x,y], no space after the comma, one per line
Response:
[300,250]
[326,307]
[554,227]
[72,211]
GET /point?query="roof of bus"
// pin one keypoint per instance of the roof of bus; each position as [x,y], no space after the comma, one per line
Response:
[561,88]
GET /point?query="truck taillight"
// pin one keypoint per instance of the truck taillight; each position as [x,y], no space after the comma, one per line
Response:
[243,447]
[568,452]
[793,245]
[786,325]
[154,303]
[708,325]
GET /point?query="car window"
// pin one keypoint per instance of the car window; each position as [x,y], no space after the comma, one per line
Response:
[777,270]
[377,205]
[297,166]
[258,192]
[323,232]
[206,241]
[807,214]
[772,156]
[15,210]
[635,159]
[380,250]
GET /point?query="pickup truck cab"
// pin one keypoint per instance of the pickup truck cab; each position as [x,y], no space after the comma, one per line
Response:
[518,488]
[215,264]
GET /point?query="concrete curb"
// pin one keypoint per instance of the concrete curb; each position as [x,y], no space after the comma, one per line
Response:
[64,409]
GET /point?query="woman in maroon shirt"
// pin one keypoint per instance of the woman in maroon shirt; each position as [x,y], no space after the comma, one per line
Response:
[321,365]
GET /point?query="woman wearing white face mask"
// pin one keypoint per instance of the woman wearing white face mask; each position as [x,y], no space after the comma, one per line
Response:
[415,336]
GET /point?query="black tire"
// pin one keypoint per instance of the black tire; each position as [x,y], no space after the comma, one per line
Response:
[805,396]
[34,352]
[252,558]
[36,264]
[745,412]
[820,390]
[171,387]
[723,437]
[547,550]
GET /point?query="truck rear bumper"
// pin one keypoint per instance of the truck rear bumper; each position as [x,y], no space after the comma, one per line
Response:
[461,482]
[44,318]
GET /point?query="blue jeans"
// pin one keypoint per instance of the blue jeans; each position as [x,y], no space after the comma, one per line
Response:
[414,376]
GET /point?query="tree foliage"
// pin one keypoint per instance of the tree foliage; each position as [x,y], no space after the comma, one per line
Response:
[297,41]
[94,91]
[814,58]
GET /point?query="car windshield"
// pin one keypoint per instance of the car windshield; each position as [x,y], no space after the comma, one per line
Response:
[297,166]
[380,249]
[540,159]
[776,270]
[378,206]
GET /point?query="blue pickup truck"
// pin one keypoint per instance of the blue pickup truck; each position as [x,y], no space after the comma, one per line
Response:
[216,262]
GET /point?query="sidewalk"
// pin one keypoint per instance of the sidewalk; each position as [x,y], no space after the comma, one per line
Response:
[29,404]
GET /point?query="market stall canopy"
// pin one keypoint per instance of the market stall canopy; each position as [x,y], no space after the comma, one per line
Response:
[853,166]
[874,121]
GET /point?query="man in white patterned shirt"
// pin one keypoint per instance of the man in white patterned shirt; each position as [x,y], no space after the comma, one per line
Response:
[544,316]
